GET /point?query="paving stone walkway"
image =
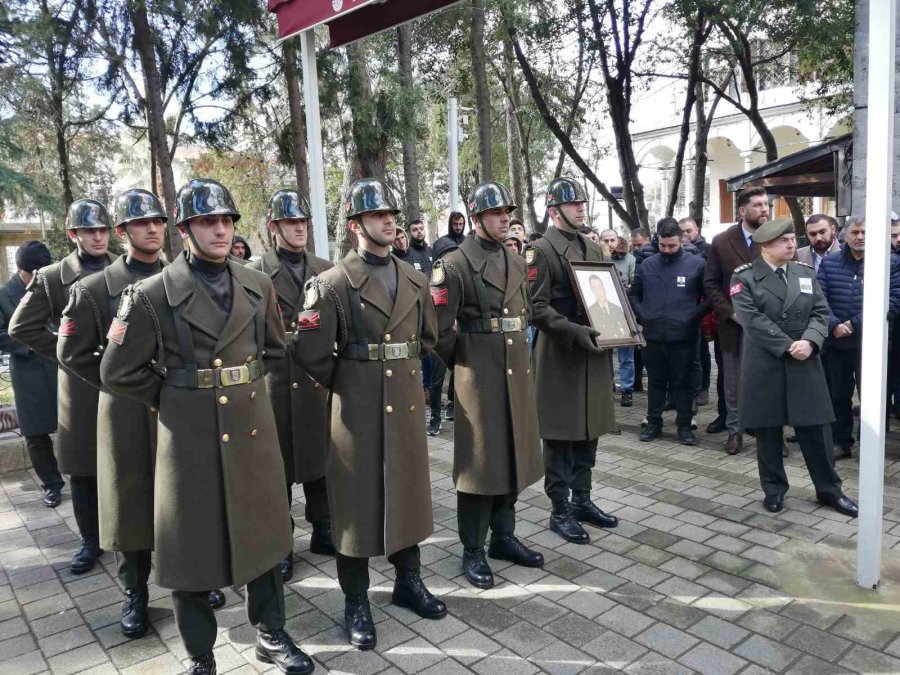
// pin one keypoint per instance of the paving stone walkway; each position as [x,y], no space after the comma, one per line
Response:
[697,578]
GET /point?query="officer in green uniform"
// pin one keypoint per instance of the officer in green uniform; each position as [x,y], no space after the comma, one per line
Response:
[33,324]
[126,430]
[572,376]
[300,405]
[483,305]
[193,342]
[366,323]
[784,316]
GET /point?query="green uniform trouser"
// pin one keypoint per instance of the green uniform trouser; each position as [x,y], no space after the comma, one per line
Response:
[353,573]
[818,453]
[475,513]
[134,568]
[196,620]
[316,509]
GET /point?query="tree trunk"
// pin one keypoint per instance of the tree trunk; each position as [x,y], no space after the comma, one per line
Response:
[143,44]
[57,113]
[482,93]
[410,160]
[367,137]
[513,154]
[298,121]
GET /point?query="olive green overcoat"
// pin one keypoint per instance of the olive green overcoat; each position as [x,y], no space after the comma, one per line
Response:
[126,429]
[379,488]
[221,512]
[299,403]
[574,387]
[33,324]
[496,442]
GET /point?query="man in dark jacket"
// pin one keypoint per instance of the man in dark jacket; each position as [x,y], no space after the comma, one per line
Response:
[456,233]
[841,279]
[419,254]
[666,296]
[401,244]
[33,377]
[240,249]
[691,232]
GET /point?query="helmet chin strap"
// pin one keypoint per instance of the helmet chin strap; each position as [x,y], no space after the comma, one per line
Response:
[187,227]
[280,233]
[565,218]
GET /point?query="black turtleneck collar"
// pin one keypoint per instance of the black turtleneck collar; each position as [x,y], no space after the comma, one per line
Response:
[289,256]
[571,236]
[373,259]
[400,254]
[93,263]
[415,243]
[141,268]
[207,268]
[489,244]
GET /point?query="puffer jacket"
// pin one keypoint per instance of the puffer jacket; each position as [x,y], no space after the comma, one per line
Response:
[652,248]
[841,279]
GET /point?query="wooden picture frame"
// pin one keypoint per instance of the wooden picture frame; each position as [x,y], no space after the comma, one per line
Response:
[614,320]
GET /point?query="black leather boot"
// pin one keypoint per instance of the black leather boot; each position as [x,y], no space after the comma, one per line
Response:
[564,524]
[216,599]
[202,665]
[586,511]
[476,568]
[277,647]
[358,621]
[86,557]
[134,622]
[508,547]
[320,542]
[410,592]
[287,568]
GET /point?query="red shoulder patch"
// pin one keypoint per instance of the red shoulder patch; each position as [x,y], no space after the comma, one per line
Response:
[735,289]
[117,330]
[532,273]
[309,320]
[67,327]
[439,296]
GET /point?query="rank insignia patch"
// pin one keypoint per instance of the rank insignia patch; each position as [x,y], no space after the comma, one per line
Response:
[735,289]
[532,274]
[67,327]
[117,330]
[309,320]
[439,296]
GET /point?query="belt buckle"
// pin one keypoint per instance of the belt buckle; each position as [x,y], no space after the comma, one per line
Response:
[236,375]
[510,325]
[374,353]
[396,350]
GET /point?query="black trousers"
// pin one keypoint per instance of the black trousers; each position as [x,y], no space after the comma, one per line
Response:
[134,568]
[670,368]
[843,368]
[316,510]
[40,451]
[196,620]
[721,409]
[475,513]
[638,365]
[353,573]
[436,387]
[84,505]
[567,466]
[705,365]
[818,453]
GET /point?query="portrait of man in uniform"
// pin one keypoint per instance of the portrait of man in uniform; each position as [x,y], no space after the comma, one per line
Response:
[603,304]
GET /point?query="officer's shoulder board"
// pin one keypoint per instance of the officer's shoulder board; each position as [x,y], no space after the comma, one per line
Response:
[736,288]
[741,268]
[800,262]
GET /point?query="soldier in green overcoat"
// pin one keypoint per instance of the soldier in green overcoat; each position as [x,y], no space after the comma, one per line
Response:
[573,381]
[366,322]
[193,342]
[32,324]
[300,405]
[483,304]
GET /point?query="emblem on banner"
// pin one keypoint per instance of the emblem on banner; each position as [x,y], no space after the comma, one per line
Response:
[337,5]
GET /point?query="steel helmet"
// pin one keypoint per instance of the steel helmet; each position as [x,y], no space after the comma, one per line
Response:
[204,197]
[137,204]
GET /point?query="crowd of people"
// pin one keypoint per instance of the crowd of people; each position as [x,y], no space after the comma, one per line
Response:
[190,396]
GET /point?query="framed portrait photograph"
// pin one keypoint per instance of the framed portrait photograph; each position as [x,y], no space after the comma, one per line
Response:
[605,302]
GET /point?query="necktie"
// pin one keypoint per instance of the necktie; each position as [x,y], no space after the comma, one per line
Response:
[780,273]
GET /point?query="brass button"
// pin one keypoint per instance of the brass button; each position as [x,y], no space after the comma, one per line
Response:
[293,324]
[295,385]
[217,363]
[412,337]
[412,408]
[225,438]
[389,373]
[388,409]
[509,372]
[362,305]
[249,359]
[505,310]
[523,311]
[412,372]
[509,341]
[252,394]
[387,337]
[316,385]
[528,372]
[223,400]
[153,410]
[254,432]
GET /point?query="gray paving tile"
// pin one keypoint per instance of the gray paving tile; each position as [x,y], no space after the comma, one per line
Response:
[708,659]
[666,640]
[767,653]
[613,650]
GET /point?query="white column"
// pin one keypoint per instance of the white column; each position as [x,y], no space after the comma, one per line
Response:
[314,143]
[453,152]
[687,180]
[879,179]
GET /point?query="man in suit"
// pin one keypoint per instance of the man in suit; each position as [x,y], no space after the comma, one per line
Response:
[605,315]
[731,249]
[783,312]
[821,230]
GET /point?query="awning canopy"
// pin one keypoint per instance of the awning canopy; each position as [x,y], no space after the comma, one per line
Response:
[349,20]
[820,171]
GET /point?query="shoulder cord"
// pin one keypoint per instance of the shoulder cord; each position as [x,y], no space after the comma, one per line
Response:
[98,322]
[339,309]
[158,364]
